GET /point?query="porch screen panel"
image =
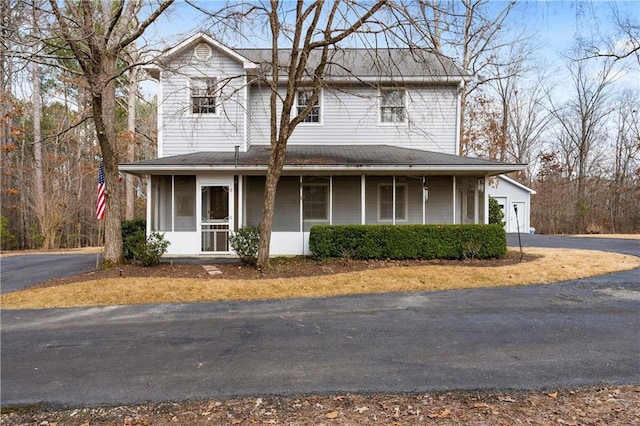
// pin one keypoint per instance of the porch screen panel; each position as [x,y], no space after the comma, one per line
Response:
[347,203]
[286,212]
[253,197]
[372,202]
[185,203]
[316,199]
[439,206]
[414,198]
[161,207]
[286,216]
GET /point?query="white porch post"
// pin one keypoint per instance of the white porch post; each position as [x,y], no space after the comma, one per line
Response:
[363,210]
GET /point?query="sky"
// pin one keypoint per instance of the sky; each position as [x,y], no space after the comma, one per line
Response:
[554,26]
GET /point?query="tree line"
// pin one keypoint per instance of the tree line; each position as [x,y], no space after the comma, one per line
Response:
[70,96]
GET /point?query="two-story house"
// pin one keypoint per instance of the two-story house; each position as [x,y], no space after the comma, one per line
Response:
[379,147]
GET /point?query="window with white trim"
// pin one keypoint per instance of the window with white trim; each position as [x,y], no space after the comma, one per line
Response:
[385,202]
[315,198]
[302,101]
[392,106]
[203,95]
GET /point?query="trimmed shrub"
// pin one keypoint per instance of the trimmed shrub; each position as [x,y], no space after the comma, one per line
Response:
[245,243]
[134,233]
[408,241]
[150,250]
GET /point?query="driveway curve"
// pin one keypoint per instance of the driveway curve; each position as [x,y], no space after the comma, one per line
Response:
[582,332]
[20,271]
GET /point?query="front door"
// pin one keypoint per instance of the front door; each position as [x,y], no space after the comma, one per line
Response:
[216,218]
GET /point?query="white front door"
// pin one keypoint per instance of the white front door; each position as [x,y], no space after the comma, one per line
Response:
[216,217]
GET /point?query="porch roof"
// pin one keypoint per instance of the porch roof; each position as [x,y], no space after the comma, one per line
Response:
[346,159]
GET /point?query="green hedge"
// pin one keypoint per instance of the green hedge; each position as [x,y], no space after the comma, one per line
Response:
[408,241]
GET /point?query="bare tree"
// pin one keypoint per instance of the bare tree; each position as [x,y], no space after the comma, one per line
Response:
[468,31]
[98,35]
[626,163]
[625,41]
[581,121]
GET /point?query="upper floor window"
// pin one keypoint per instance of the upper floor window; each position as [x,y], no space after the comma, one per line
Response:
[392,106]
[203,99]
[303,100]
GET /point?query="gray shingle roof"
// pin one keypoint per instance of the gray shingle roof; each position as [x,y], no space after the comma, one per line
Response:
[324,157]
[363,63]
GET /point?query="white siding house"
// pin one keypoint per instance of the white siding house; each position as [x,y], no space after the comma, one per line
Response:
[380,147]
[515,200]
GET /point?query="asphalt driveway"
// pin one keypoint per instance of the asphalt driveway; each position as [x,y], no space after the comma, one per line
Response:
[583,332]
[17,272]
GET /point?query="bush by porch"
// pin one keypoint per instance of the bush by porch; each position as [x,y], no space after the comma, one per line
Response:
[408,241]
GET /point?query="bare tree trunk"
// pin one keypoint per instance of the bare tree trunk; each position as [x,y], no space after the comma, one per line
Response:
[104,107]
[38,184]
[131,146]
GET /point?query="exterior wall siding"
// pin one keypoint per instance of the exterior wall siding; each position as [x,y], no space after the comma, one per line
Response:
[183,131]
[350,116]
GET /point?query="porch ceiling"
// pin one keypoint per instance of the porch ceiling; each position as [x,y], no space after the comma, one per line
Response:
[335,159]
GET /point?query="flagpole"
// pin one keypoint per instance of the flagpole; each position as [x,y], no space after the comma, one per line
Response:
[101,206]
[100,244]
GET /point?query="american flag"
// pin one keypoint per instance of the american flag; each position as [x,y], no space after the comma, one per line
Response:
[101,204]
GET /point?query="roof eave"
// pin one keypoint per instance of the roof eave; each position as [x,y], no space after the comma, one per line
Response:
[430,169]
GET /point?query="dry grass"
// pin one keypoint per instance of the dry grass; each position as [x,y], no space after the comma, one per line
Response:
[619,236]
[552,266]
[82,250]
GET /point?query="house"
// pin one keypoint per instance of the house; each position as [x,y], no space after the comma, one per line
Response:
[379,147]
[515,200]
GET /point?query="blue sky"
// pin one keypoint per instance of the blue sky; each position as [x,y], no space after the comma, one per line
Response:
[555,25]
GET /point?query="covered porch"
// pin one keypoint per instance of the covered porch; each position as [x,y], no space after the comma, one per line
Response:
[198,199]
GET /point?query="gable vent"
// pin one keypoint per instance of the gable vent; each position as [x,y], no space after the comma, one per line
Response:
[202,52]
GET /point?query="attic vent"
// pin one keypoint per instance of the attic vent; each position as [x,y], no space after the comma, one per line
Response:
[202,51]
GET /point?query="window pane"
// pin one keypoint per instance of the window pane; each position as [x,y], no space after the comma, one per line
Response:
[203,100]
[304,98]
[315,202]
[386,202]
[392,106]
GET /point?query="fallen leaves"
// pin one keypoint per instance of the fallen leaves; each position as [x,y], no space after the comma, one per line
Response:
[608,405]
[332,415]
